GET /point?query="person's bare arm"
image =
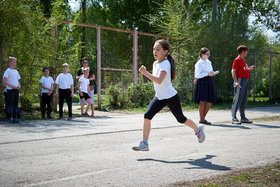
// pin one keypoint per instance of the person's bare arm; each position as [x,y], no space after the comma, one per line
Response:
[92,77]
[5,82]
[233,73]
[56,92]
[153,78]
[72,90]
[50,89]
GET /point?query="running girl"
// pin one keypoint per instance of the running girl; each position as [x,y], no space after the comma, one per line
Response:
[163,74]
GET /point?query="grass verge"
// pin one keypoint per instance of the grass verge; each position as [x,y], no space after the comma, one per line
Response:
[262,176]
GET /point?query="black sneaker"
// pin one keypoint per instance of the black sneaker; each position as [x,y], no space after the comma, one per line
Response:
[245,120]
[59,118]
[236,121]
[50,117]
[205,122]
[69,119]
[15,121]
[9,121]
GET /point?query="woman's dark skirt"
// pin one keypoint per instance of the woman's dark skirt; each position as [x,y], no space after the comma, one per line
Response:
[204,90]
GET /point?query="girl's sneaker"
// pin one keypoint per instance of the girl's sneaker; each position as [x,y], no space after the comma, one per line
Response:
[200,134]
[141,147]
[85,114]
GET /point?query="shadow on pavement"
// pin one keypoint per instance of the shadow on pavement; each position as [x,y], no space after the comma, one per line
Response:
[272,109]
[49,126]
[52,122]
[197,163]
[266,126]
[229,126]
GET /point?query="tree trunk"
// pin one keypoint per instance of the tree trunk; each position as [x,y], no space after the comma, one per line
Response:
[83,37]
[1,74]
[214,11]
[53,62]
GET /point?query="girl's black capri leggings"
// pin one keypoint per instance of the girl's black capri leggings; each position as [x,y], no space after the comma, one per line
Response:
[173,103]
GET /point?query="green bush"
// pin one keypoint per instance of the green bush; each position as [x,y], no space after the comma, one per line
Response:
[26,102]
[141,94]
[116,95]
[76,99]
[122,96]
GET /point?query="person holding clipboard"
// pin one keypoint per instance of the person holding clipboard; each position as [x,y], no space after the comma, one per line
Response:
[204,92]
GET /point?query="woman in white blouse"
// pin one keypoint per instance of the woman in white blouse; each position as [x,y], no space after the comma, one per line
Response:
[204,93]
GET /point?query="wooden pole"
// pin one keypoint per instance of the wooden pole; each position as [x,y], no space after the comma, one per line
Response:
[255,70]
[135,57]
[270,77]
[99,67]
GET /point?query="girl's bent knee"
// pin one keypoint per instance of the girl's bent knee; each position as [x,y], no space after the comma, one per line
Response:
[182,120]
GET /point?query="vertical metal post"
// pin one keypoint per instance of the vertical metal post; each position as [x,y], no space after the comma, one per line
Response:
[255,70]
[99,66]
[135,57]
[270,77]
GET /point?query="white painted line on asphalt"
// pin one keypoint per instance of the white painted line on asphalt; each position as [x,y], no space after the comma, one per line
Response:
[67,178]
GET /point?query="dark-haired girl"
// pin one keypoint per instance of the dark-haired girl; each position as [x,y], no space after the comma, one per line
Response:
[204,93]
[163,74]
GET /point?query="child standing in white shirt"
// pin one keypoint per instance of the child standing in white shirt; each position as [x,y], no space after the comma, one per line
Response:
[84,91]
[11,80]
[65,89]
[46,82]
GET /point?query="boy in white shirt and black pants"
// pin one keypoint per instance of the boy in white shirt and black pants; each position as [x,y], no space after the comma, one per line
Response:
[64,82]
[11,80]
[46,82]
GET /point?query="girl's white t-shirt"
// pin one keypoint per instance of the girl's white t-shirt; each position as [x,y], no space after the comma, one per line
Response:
[164,90]
[12,76]
[47,82]
[84,84]
[64,80]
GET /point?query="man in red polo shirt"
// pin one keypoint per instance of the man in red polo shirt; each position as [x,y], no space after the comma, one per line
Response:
[240,74]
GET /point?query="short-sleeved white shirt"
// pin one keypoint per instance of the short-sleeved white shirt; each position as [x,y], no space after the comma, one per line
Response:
[12,76]
[64,80]
[84,84]
[164,90]
[47,82]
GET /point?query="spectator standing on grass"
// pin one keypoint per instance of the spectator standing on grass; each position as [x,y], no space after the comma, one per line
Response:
[11,81]
[46,83]
[91,78]
[240,74]
[163,74]
[84,90]
[65,90]
[204,92]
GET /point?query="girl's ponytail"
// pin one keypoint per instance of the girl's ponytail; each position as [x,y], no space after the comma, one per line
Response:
[173,67]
